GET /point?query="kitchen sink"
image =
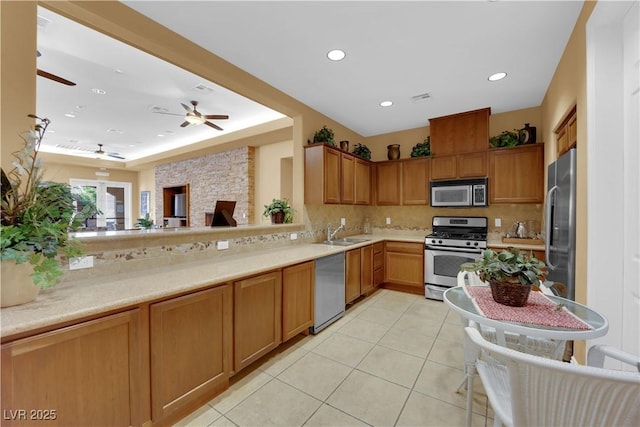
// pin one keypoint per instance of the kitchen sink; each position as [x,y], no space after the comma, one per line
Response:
[344,242]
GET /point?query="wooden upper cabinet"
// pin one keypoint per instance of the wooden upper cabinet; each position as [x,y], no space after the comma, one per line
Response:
[444,167]
[362,182]
[388,176]
[333,176]
[415,181]
[347,179]
[567,133]
[516,175]
[460,133]
[472,165]
[321,175]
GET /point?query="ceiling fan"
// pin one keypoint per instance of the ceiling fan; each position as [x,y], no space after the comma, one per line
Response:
[101,152]
[53,77]
[194,117]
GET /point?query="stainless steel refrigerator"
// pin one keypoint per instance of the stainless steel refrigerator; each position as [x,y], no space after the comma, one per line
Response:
[560,224]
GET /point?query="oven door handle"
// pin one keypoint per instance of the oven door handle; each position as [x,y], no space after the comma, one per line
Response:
[447,249]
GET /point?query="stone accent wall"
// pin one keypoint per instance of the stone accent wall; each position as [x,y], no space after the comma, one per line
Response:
[228,175]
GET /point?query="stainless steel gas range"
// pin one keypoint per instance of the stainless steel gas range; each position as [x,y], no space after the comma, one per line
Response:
[454,240]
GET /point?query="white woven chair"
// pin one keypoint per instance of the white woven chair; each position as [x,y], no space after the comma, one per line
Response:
[526,390]
[538,346]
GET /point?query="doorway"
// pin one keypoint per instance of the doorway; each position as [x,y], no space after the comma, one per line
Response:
[113,199]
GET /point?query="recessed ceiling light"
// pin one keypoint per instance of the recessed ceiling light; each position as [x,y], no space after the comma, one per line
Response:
[386,104]
[160,135]
[70,115]
[336,55]
[98,91]
[497,76]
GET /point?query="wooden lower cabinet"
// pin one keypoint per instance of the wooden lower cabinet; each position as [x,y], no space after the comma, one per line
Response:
[378,264]
[297,299]
[190,350]
[366,269]
[352,261]
[81,375]
[257,317]
[358,272]
[404,266]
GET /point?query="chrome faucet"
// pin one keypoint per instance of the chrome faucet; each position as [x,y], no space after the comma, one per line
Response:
[332,234]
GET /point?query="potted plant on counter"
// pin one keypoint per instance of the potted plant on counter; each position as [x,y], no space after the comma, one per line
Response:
[510,274]
[36,219]
[145,223]
[280,211]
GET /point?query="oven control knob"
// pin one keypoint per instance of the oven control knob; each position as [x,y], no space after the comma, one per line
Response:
[440,241]
[475,244]
[468,243]
[433,241]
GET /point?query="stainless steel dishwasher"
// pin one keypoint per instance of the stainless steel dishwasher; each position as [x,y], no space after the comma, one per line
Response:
[329,291]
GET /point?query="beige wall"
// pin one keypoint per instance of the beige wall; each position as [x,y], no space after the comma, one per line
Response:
[269,179]
[568,88]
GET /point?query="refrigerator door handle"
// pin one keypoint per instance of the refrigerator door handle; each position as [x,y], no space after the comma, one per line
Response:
[549,227]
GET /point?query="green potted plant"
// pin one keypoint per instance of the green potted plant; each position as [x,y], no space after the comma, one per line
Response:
[36,219]
[280,211]
[422,148]
[324,136]
[145,223]
[510,273]
[362,151]
[505,139]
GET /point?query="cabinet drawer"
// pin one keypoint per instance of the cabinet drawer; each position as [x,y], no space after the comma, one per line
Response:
[404,247]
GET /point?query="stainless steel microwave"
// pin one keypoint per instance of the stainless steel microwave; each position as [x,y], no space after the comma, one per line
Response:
[460,193]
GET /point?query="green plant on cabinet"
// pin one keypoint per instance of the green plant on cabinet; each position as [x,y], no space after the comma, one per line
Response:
[362,151]
[422,148]
[324,135]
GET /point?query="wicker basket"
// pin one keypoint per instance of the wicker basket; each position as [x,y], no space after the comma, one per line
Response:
[511,294]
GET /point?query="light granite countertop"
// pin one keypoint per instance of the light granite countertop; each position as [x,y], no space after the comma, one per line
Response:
[495,241]
[80,299]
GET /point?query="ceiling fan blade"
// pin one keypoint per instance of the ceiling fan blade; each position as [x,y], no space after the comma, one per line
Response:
[186,107]
[169,114]
[55,78]
[115,156]
[216,116]
[184,124]
[213,125]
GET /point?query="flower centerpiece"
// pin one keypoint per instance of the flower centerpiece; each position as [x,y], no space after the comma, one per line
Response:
[36,219]
[510,273]
[279,210]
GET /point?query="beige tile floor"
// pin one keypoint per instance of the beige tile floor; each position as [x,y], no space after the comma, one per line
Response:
[394,360]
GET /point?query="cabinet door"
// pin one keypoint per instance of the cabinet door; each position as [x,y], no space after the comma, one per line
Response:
[331,181]
[378,264]
[516,175]
[352,275]
[363,182]
[76,376]
[388,183]
[366,269]
[472,165]
[466,132]
[257,317]
[444,167]
[190,348]
[404,264]
[415,182]
[297,299]
[347,179]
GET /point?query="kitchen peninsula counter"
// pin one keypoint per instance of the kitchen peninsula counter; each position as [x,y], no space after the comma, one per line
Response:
[77,300]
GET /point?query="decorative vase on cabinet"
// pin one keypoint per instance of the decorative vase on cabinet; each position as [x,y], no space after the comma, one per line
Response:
[393,151]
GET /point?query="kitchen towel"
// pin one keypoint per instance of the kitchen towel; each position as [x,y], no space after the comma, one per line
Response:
[539,310]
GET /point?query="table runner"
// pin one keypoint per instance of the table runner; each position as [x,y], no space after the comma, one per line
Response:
[539,310]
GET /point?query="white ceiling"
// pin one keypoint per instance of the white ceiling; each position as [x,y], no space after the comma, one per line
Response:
[395,50]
